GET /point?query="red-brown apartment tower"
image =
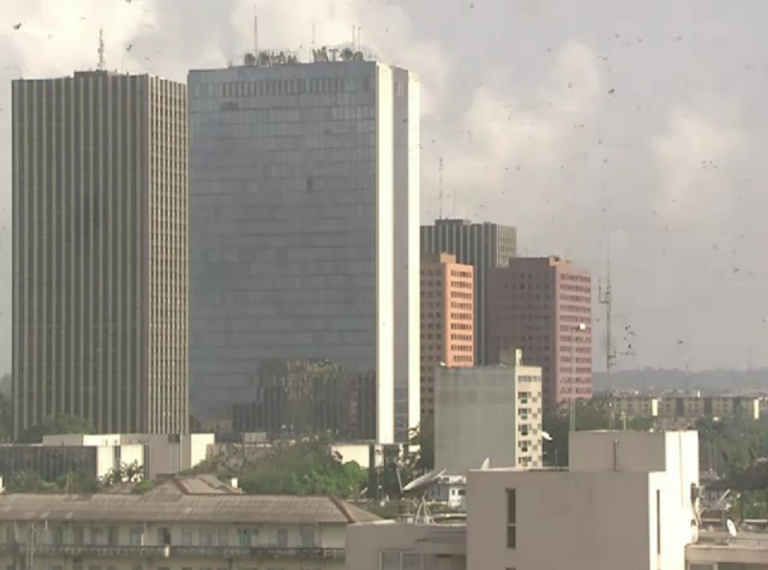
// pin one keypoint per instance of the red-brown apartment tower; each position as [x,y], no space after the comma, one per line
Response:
[447,320]
[539,305]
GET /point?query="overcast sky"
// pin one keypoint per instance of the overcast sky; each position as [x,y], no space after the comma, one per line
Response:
[638,124]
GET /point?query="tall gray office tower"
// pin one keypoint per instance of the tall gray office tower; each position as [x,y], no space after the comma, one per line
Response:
[483,246]
[304,255]
[100,252]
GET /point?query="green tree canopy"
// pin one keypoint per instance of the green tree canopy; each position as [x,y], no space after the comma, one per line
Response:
[303,468]
[54,425]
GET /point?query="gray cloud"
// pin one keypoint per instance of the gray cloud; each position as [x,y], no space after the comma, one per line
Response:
[579,123]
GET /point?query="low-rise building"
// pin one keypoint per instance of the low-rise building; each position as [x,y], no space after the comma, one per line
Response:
[165,530]
[387,545]
[721,407]
[488,412]
[629,501]
[635,406]
[98,455]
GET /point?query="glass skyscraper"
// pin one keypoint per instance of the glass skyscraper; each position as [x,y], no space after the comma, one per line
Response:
[304,247]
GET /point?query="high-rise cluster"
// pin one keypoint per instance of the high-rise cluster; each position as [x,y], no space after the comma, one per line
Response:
[271,207]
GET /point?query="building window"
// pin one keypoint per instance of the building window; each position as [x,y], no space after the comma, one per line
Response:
[163,537]
[207,536]
[223,537]
[307,537]
[136,536]
[244,537]
[187,537]
[511,518]
[282,538]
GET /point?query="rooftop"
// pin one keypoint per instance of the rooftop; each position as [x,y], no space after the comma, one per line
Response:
[176,507]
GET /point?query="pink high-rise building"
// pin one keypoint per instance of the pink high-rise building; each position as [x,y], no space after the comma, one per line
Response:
[541,305]
[447,320]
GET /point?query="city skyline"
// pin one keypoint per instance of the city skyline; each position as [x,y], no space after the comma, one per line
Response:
[555,137]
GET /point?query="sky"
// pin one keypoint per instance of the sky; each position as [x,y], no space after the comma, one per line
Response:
[600,129]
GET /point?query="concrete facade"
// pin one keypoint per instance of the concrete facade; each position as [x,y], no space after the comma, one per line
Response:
[305,205]
[488,413]
[100,252]
[171,531]
[159,454]
[537,304]
[447,320]
[387,545]
[626,502]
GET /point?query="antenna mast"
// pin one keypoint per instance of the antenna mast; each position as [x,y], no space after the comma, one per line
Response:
[255,31]
[440,188]
[101,63]
[605,297]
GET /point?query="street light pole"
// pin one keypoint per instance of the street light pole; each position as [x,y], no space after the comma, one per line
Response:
[572,401]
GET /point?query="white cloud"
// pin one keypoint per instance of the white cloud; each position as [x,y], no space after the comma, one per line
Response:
[692,163]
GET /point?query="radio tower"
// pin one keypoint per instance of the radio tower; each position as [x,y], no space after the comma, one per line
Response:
[605,297]
[440,189]
[101,63]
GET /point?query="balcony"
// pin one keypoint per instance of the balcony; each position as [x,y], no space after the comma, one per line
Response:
[95,550]
[269,552]
[260,552]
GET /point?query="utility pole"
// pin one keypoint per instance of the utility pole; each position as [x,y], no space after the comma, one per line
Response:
[605,297]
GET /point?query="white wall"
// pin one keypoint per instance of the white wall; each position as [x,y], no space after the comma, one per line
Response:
[476,418]
[578,521]
[385,315]
[414,250]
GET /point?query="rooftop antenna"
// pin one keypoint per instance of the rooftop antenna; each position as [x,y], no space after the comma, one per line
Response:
[314,34]
[605,297]
[255,31]
[440,188]
[101,62]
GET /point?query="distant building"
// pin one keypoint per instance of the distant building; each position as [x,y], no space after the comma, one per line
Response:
[447,320]
[174,528]
[304,209]
[100,252]
[722,407]
[491,412]
[97,455]
[481,245]
[538,305]
[683,411]
[635,406]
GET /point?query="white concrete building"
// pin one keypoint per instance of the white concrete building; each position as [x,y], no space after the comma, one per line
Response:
[157,453]
[489,412]
[624,503]
[98,455]
[387,545]
[629,502]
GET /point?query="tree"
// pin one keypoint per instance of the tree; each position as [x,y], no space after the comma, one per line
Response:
[302,468]
[54,425]
[29,482]
[423,437]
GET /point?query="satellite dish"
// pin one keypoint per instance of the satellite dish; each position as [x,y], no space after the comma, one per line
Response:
[546,436]
[731,527]
[424,480]
[486,464]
